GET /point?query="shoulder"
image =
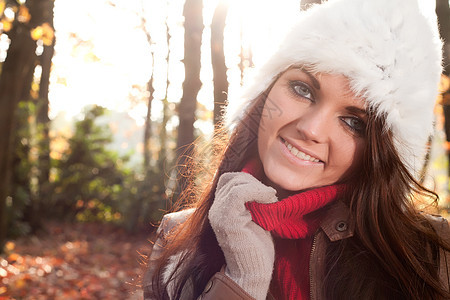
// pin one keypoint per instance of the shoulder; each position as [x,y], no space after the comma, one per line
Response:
[440,225]
[169,222]
[172,220]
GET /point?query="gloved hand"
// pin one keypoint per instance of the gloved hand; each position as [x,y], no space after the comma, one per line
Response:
[248,248]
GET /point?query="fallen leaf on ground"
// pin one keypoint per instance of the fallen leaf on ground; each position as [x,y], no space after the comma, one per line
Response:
[74,261]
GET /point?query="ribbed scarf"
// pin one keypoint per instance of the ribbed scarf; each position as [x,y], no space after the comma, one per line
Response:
[292,224]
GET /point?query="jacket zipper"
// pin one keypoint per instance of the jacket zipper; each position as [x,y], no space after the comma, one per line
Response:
[313,248]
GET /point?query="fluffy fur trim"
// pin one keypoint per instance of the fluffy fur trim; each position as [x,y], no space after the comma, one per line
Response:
[389,51]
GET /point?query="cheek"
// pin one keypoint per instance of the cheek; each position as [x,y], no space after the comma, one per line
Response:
[262,143]
[269,125]
[350,156]
[264,134]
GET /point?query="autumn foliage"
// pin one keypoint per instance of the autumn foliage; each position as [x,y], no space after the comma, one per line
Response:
[78,261]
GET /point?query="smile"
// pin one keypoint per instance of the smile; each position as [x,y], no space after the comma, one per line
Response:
[300,154]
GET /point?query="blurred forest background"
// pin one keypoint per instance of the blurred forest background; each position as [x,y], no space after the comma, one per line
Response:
[99,100]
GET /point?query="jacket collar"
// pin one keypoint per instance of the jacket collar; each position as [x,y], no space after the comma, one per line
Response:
[337,222]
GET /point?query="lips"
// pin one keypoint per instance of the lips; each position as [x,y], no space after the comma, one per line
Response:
[300,154]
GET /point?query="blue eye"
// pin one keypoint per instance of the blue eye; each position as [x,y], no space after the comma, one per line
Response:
[355,124]
[301,89]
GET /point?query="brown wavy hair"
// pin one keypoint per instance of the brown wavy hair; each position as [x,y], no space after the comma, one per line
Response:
[395,252]
[389,252]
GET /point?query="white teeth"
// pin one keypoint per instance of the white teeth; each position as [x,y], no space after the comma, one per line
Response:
[299,153]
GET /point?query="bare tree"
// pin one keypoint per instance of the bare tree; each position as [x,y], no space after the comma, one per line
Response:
[218,60]
[151,90]
[42,118]
[163,132]
[20,61]
[193,29]
[141,15]
[443,14]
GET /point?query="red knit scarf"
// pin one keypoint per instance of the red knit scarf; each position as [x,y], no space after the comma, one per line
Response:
[291,223]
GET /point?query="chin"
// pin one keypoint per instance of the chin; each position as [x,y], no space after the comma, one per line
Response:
[287,187]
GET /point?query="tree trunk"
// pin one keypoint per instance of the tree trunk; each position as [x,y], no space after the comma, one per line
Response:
[21,167]
[148,124]
[20,58]
[245,58]
[42,119]
[163,132]
[193,28]
[151,90]
[145,186]
[218,60]
[443,14]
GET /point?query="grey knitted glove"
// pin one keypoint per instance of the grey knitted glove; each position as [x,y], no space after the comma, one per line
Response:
[248,248]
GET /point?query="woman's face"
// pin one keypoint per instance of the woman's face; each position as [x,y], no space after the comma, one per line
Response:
[312,131]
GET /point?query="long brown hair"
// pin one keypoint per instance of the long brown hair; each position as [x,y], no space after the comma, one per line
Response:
[391,237]
[201,256]
[396,248]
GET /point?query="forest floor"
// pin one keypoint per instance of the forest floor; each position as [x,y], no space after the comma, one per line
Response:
[74,261]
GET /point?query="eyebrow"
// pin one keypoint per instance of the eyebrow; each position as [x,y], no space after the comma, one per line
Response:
[315,82]
[357,110]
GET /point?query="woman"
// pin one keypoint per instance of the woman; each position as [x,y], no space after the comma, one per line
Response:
[315,195]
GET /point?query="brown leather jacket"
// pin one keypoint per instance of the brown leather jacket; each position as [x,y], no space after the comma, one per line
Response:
[336,225]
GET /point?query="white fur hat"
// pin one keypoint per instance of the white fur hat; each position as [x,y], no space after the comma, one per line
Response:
[389,51]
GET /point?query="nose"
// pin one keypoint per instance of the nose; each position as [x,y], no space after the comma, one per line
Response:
[314,125]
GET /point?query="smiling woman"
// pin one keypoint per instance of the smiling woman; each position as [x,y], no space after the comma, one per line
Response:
[318,139]
[313,196]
